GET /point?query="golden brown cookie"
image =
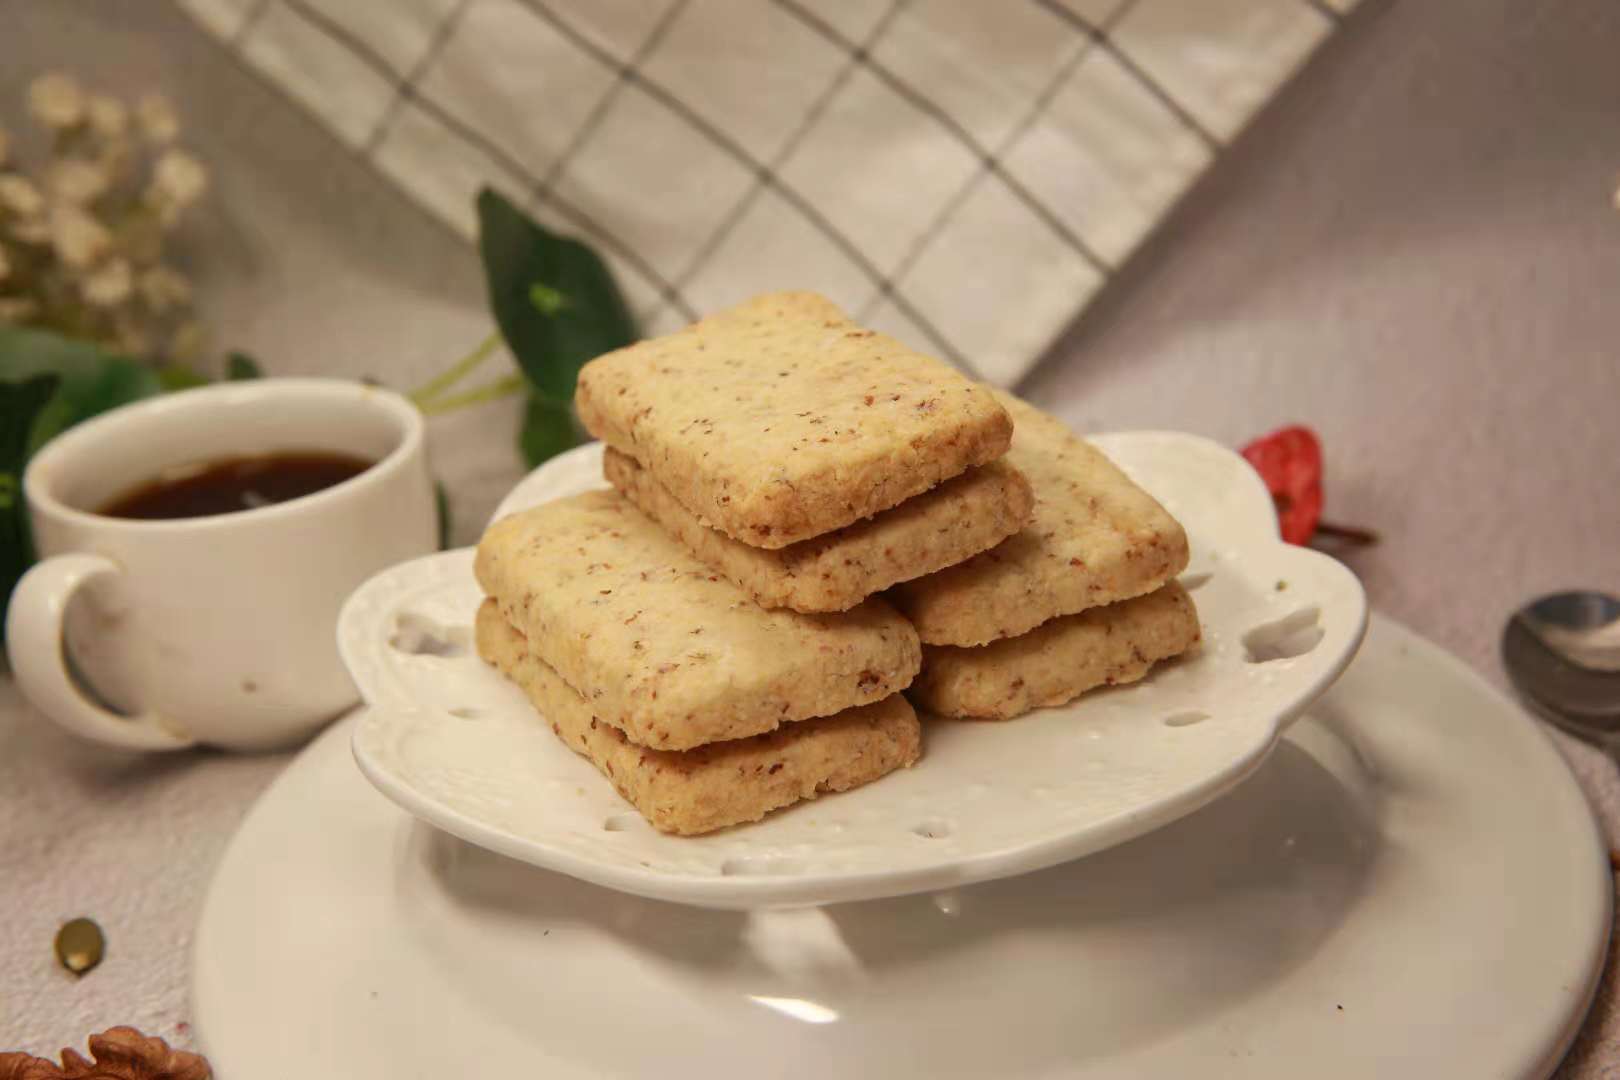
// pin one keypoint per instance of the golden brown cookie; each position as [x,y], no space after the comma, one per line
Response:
[835,571]
[664,648]
[780,419]
[710,787]
[1058,660]
[1094,538]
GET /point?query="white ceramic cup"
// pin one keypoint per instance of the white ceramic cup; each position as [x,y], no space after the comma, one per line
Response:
[217,630]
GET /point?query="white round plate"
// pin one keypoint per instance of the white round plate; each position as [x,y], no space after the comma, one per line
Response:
[453,742]
[1411,886]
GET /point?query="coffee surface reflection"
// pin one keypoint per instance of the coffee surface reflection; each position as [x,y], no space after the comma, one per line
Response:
[230,485]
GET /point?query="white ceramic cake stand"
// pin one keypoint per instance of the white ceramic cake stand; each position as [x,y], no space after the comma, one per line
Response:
[453,742]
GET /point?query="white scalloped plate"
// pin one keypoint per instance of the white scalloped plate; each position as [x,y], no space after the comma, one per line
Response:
[453,743]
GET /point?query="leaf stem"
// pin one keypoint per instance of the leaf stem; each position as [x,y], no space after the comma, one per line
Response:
[423,395]
[1351,534]
[502,387]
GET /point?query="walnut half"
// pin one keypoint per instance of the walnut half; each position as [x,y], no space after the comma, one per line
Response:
[119,1053]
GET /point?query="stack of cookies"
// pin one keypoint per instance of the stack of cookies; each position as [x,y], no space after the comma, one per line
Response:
[701,707]
[707,632]
[812,462]
[1084,596]
[704,633]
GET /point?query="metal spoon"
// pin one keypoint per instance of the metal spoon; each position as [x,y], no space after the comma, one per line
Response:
[1562,653]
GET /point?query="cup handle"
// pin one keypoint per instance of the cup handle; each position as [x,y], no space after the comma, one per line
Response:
[34,641]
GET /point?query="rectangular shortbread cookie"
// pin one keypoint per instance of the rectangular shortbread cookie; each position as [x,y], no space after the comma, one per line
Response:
[1059,660]
[697,791]
[835,571]
[1094,538]
[664,648]
[780,419]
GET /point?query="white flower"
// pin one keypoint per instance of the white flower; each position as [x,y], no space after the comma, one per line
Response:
[56,101]
[20,196]
[157,119]
[79,239]
[110,285]
[77,181]
[178,180]
[17,309]
[162,288]
[109,118]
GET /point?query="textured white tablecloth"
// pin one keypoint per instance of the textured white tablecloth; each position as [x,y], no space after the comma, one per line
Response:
[1415,252]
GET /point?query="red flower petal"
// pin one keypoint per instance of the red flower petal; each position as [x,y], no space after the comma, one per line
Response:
[1289,460]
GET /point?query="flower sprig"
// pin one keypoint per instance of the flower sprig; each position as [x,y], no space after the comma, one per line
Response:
[82,233]
[1289,461]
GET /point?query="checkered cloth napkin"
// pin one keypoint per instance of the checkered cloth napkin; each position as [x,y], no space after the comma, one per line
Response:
[963,174]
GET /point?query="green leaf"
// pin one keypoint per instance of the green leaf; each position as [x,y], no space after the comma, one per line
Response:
[179,377]
[546,300]
[548,430]
[239,366]
[91,381]
[554,299]
[20,406]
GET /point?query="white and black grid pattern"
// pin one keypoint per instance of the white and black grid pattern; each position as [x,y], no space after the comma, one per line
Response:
[963,174]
